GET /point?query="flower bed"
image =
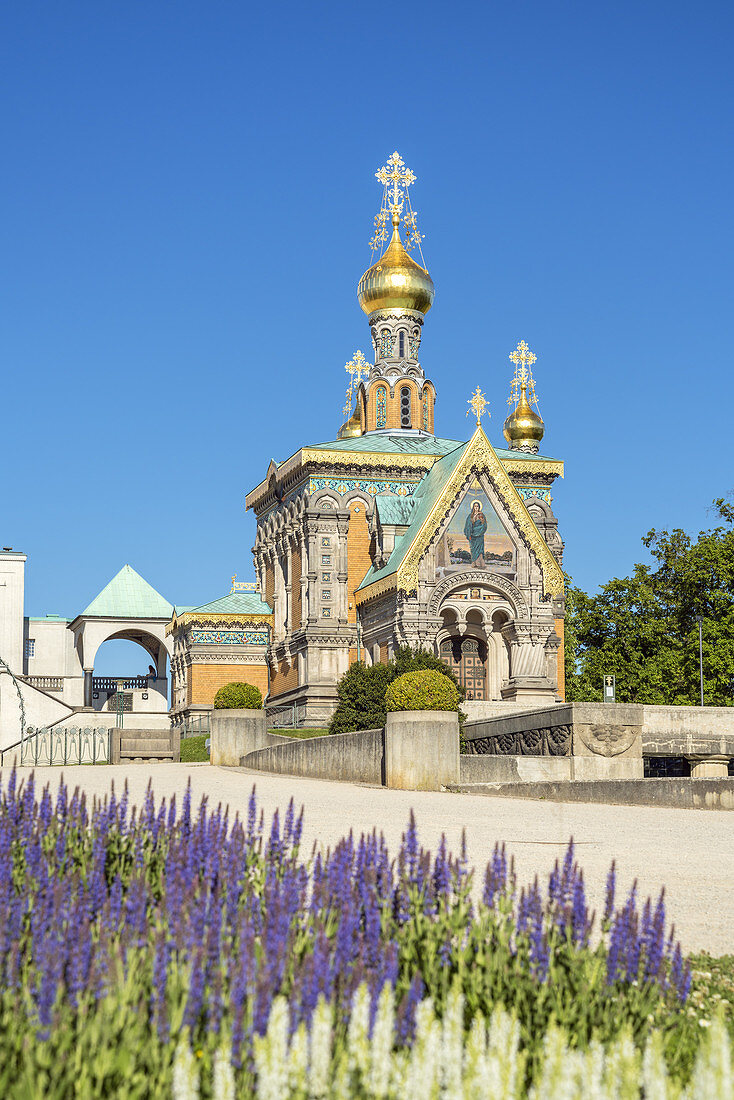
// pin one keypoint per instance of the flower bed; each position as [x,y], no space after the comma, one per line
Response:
[146,954]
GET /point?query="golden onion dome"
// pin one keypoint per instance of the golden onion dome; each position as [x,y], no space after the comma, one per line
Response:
[351,428]
[523,425]
[396,281]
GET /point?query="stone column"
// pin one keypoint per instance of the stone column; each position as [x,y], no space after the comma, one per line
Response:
[709,767]
[88,687]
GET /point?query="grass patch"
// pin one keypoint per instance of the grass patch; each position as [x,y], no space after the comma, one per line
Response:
[303,734]
[194,750]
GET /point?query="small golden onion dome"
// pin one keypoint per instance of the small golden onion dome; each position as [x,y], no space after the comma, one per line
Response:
[523,426]
[396,281]
[351,428]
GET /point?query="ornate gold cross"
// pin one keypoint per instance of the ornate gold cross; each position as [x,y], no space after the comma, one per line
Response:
[356,368]
[478,403]
[522,357]
[396,178]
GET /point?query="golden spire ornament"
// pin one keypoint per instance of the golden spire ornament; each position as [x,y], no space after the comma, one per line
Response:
[523,428]
[357,368]
[396,178]
[478,403]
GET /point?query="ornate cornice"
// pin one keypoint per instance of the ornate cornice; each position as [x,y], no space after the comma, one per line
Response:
[397,461]
[214,619]
[478,577]
[552,466]
[479,457]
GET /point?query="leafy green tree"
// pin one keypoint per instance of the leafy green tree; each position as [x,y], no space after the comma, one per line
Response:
[643,628]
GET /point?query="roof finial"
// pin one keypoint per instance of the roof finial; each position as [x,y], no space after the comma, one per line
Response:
[396,179]
[478,403]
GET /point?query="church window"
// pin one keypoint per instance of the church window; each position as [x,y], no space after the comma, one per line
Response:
[405,419]
[386,344]
[381,400]
[30,647]
[402,345]
[425,410]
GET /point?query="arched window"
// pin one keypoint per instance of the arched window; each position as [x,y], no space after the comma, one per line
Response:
[405,418]
[381,406]
[402,345]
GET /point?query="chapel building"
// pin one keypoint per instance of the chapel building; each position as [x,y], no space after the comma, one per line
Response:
[392,535]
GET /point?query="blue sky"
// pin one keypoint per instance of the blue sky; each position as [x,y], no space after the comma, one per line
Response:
[187,195]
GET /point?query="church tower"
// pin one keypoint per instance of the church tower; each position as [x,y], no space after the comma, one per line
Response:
[396,293]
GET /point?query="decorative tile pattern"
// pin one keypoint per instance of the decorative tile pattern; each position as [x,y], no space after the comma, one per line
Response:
[325,612]
[229,637]
[381,399]
[326,559]
[425,410]
[387,343]
[343,485]
[326,578]
[325,540]
[326,594]
[527,491]
[414,343]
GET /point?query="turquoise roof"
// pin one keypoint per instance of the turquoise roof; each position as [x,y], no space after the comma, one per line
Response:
[237,603]
[385,443]
[424,498]
[394,509]
[128,596]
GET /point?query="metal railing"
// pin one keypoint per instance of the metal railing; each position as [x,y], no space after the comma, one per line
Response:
[196,725]
[292,717]
[65,745]
[112,683]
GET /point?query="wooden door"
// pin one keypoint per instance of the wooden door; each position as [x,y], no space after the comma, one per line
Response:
[467,658]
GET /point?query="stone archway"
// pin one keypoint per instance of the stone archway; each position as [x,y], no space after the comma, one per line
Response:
[474,613]
[467,658]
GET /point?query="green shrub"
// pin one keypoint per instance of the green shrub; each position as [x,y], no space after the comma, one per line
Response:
[362,688]
[424,690]
[238,696]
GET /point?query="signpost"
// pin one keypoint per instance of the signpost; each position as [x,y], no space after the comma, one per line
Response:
[610,689]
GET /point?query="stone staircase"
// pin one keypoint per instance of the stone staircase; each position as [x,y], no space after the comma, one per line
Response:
[139,746]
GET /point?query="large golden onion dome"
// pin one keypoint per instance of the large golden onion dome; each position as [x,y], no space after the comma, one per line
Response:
[396,281]
[523,427]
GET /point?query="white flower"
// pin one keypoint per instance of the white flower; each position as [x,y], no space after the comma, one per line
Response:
[185,1072]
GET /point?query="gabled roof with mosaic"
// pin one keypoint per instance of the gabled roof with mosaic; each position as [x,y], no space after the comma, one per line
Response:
[436,493]
[390,450]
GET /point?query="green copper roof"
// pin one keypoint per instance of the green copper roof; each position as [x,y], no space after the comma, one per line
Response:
[128,596]
[385,443]
[394,509]
[424,499]
[236,603]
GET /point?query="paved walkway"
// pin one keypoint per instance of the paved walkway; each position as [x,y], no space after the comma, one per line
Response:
[691,852]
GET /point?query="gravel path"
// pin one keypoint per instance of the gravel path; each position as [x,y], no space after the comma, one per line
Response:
[691,852]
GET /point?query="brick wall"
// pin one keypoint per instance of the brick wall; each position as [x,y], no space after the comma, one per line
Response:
[205,680]
[284,678]
[561,660]
[358,553]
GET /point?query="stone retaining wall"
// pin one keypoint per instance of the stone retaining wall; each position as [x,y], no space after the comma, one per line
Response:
[349,757]
[681,794]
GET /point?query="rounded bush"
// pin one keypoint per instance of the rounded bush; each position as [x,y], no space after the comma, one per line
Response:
[238,696]
[424,690]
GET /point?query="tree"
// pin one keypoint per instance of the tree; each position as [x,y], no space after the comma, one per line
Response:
[643,628]
[361,690]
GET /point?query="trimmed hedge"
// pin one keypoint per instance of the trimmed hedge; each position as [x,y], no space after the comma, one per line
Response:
[238,696]
[424,690]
